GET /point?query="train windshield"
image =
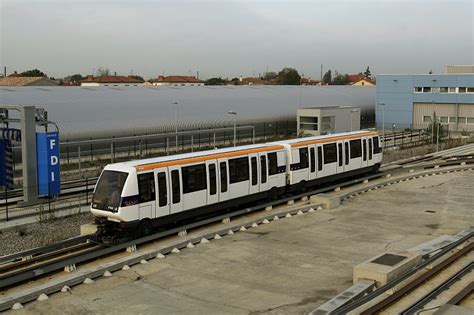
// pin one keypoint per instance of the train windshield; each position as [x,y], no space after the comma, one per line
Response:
[108,191]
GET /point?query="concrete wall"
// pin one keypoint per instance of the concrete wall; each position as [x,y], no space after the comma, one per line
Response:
[397,93]
[453,116]
[340,121]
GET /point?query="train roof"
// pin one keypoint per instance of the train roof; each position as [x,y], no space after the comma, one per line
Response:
[192,155]
[321,139]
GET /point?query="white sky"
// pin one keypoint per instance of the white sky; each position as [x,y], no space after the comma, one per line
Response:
[232,38]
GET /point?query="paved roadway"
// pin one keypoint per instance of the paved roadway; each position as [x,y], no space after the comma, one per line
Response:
[287,267]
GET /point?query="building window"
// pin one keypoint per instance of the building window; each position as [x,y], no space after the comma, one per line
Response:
[470,120]
[462,120]
[462,89]
[427,119]
[452,120]
[418,89]
[470,90]
[426,89]
[452,90]
[443,89]
[443,119]
[356,149]
[330,153]
[327,123]
[308,123]
[239,170]
[435,90]
[194,178]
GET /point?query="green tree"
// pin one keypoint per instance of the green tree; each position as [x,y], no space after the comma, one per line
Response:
[33,73]
[288,76]
[327,77]
[367,73]
[76,77]
[215,81]
[268,76]
[137,77]
[340,79]
[103,71]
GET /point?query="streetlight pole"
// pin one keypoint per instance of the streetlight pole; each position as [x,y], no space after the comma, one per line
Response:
[383,120]
[354,110]
[235,124]
[176,125]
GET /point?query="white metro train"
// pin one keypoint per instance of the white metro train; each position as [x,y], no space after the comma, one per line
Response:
[142,194]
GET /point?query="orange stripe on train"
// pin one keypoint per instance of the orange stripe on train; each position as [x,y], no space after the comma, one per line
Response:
[206,157]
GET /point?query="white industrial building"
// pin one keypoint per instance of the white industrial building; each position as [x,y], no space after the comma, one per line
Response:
[327,120]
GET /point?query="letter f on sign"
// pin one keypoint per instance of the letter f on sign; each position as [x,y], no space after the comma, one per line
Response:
[52,143]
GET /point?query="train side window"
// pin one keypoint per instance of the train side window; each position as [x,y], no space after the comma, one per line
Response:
[253,162]
[263,169]
[162,189]
[356,148]
[377,148]
[304,160]
[194,178]
[370,149]
[239,170]
[313,160]
[212,179]
[320,159]
[175,186]
[339,148]
[364,149]
[346,152]
[146,187]
[330,153]
[223,177]
[272,163]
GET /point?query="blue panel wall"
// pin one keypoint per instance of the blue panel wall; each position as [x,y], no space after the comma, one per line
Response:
[47,153]
[397,93]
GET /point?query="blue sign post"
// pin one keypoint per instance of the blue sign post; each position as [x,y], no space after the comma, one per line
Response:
[47,153]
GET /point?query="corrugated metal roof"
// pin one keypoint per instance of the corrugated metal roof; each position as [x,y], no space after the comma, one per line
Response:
[86,109]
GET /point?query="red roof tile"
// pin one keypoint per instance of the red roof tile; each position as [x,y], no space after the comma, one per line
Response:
[111,79]
[176,79]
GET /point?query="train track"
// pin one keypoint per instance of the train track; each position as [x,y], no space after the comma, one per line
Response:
[29,265]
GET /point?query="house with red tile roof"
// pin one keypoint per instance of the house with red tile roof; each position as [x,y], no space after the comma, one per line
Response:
[360,80]
[176,80]
[252,81]
[111,80]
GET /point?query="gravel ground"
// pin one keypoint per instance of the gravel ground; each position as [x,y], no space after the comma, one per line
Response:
[40,234]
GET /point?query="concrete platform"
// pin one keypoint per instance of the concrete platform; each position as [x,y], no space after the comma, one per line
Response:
[290,266]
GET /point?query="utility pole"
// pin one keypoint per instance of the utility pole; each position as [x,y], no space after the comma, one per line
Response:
[235,124]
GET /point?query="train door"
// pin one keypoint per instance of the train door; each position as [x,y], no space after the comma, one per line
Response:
[162,205]
[364,153]
[254,187]
[223,181]
[312,163]
[370,160]
[212,182]
[147,195]
[319,161]
[340,157]
[347,159]
[176,191]
[263,171]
